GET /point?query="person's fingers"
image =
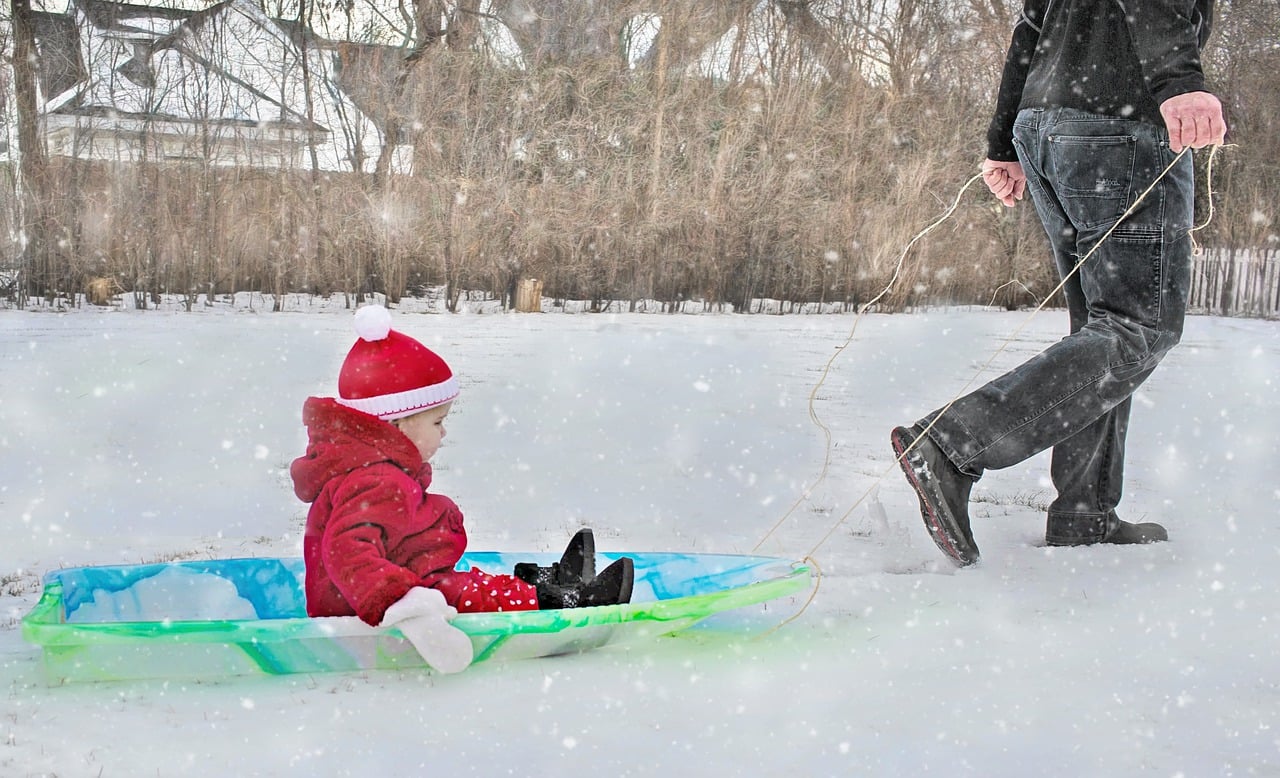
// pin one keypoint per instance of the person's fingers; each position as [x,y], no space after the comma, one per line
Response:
[1175,134]
[1211,130]
[1199,131]
[997,182]
[1003,193]
[1217,130]
[1194,120]
[1005,188]
[1004,180]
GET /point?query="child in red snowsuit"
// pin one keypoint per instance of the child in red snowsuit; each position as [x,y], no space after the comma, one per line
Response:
[374,532]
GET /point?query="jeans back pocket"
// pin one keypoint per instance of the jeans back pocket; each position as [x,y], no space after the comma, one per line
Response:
[1092,171]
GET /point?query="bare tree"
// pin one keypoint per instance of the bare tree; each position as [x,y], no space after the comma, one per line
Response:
[37,275]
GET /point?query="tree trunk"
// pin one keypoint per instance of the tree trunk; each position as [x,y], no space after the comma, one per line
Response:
[32,162]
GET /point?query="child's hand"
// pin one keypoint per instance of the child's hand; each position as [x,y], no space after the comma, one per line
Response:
[423,617]
[418,601]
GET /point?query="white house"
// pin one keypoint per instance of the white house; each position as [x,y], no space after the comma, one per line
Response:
[227,84]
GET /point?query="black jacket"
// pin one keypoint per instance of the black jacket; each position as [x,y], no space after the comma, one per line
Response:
[1112,57]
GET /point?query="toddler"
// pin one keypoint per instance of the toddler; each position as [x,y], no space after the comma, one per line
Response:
[375,534]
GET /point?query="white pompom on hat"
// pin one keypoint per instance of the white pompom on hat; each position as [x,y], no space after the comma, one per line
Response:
[389,374]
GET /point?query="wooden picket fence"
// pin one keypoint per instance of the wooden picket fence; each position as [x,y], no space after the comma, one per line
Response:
[1236,283]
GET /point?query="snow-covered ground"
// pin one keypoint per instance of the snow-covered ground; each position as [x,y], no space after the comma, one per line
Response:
[140,436]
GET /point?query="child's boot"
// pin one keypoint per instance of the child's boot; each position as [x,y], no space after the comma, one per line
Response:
[577,564]
[611,587]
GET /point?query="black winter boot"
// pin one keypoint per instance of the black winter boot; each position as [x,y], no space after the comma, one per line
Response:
[611,587]
[1071,530]
[577,564]
[943,491]
[1147,532]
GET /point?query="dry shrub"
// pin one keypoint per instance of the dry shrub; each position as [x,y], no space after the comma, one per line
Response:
[607,185]
[798,165]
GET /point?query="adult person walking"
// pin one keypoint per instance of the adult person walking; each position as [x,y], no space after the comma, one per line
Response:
[1097,99]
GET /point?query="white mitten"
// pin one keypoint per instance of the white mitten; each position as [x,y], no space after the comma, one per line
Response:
[423,616]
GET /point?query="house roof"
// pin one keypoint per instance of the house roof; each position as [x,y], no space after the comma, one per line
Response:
[58,46]
[366,73]
[128,18]
[370,74]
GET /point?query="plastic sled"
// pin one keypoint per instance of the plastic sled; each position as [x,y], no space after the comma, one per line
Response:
[224,617]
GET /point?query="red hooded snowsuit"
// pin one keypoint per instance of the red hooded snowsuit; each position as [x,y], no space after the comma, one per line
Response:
[373,531]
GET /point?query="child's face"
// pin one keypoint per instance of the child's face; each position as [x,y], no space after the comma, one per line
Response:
[425,430]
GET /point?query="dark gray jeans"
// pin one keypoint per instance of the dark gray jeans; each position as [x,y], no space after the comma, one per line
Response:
[1126,304]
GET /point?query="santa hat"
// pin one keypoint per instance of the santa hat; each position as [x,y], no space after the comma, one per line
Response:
[389,374]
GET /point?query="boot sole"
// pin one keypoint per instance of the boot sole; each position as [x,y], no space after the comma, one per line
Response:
[628,580]
[942,526]
[580,556]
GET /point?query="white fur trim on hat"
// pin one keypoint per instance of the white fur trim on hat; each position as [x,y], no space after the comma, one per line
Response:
[389,407]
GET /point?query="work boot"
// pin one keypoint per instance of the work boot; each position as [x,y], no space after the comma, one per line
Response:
[943,491]
[611,587]
[1071,531]
[1126,533]
[577,564]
